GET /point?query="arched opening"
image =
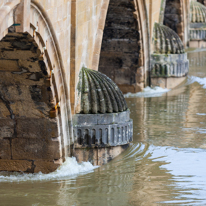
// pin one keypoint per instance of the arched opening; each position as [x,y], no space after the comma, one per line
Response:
[121,50]
[41,33]
[173,16]
[28,119]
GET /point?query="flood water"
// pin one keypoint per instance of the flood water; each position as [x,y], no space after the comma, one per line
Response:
[165,164]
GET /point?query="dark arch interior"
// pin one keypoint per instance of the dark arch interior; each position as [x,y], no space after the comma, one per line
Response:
[120,48]
[172,15]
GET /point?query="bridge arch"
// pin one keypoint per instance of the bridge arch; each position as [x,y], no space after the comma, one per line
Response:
[35,23]
[138,15]
[176,17]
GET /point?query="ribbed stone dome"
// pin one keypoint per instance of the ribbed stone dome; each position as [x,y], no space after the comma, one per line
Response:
[198,12]
[166,41]
[99,94]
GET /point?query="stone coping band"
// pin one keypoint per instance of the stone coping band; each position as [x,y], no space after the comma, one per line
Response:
[102,130]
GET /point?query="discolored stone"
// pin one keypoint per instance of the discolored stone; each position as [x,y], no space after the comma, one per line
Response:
[9,65]
[5,150]
[6,128]
[120,50]
[19,54]
[37,128]
[45,166]
[15,165]
[4,112]
[35,149]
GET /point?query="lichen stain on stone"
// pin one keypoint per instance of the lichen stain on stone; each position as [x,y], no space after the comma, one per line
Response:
[99,94]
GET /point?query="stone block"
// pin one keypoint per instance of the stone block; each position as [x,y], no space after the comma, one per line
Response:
[6,128]
[31,66]
[4,112]
[194,44]
[9,65]
[45,166]
[15,165]
[105,135]
[15,93]
[127,88]
[85,119]
[19,54]
[5,45]
[37,128]
[84,155]
[5,150]
[35,149]
[21,78]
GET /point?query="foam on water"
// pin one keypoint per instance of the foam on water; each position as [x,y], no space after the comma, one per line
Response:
[148,92]
[201,81]
[70,168]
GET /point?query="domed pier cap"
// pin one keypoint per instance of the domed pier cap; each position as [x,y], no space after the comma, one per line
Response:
[99,94]
[198,12]
[169,58]
[166,41]
[103,119]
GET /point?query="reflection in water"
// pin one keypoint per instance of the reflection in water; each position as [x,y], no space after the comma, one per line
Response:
[165,165]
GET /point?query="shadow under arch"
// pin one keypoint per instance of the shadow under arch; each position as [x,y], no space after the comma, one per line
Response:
[42,31]
[176,17]
[141,47]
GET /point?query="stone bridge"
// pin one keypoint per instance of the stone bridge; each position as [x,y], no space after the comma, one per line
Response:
[44,44]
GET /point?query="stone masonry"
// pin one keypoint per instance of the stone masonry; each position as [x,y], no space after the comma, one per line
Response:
[40,65]
[28,127]
[119,56]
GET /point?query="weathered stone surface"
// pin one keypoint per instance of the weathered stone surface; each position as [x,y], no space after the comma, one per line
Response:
[166,41]
[9,65]
[99,94]
[171,65]
[25,104]
[7,128]
[35,149]
[4,112]
[19,54]
[15,165]
[101,119]
[31,66]
[120,51]
[15,93]
[103,134]
[20,78]
[5,150]
[37,128]
[198,12]
[172,15]
[6,45]
[98,156]
[45,166]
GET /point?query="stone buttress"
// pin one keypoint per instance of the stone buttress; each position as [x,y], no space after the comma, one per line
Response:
[102,126]
[197,25]
[169,60]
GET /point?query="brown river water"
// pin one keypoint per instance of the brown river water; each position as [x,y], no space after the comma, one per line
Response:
[165,164]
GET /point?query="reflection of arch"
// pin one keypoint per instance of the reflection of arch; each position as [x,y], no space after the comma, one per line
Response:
[176,16]
[40,27]
[140,15]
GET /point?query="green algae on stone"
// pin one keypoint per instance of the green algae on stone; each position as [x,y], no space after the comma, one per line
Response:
[166,41]
[99,94]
